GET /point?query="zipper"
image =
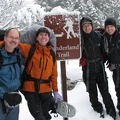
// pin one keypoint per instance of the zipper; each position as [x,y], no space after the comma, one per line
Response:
[106,45]
[42,63]
[93,48]
[15,74]
[46,63]
[94,54]
[110,39]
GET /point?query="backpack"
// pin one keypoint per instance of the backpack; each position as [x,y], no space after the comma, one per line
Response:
[2,33]
[29,35]
[102,30]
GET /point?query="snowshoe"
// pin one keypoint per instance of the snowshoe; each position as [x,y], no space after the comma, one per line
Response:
[65,109]
[71,84]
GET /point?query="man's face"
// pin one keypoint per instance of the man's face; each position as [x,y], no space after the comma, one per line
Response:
[110,29]
[87,28]
[11,40]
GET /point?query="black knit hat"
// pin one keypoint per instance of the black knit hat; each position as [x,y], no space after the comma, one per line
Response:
[44,30]
[110,21]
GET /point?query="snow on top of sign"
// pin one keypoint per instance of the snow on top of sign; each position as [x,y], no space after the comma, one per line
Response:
[60,11]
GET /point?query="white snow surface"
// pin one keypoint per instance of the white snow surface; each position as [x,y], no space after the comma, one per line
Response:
[78,97]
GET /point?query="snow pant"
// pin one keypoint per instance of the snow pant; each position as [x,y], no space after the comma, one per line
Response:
[39,109]
[116,80]
[97,80]
[11,113]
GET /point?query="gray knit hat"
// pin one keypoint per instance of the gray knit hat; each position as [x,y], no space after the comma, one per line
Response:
[86,21]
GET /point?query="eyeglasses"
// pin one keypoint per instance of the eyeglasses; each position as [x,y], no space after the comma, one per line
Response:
[11,37]
[86,25]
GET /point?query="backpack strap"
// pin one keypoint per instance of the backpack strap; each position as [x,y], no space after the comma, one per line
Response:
[98,35]
[30,54]
[1,60]
[82,43]
[2,33]
[53,55]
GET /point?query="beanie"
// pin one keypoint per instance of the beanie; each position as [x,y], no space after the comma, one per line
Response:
[44,30]
[110,21]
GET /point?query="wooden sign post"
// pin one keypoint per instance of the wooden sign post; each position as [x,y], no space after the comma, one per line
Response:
[66,29]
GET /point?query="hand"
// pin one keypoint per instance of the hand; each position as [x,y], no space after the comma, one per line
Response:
[57,97]
[12,99]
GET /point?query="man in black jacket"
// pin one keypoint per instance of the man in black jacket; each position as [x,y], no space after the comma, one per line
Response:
[92,63]
[112,48]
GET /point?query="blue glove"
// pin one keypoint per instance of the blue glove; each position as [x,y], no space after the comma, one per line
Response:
[57,97]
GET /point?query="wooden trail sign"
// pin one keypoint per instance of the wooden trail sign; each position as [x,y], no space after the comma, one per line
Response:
[66,29]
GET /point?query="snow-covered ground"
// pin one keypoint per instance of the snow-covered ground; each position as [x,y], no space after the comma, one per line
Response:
[77,97]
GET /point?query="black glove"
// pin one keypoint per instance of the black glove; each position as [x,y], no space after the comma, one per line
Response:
[12,99]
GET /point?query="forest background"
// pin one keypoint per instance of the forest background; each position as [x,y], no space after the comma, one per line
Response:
[24,13]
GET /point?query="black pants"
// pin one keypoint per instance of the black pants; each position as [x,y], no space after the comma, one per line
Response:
[39,108]
[116,80]
[97,80]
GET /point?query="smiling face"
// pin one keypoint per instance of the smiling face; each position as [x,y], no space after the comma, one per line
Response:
[110,29]
[11,40]
[87,28]
[42,38]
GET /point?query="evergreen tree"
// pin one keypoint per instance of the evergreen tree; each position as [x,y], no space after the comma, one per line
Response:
[8,9]
[34,15]
[116,12]
[82,8]
[92,13]
[107,7]
[97,10]
[101,18]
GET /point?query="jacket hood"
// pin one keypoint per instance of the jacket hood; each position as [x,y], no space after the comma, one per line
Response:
[83,21]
